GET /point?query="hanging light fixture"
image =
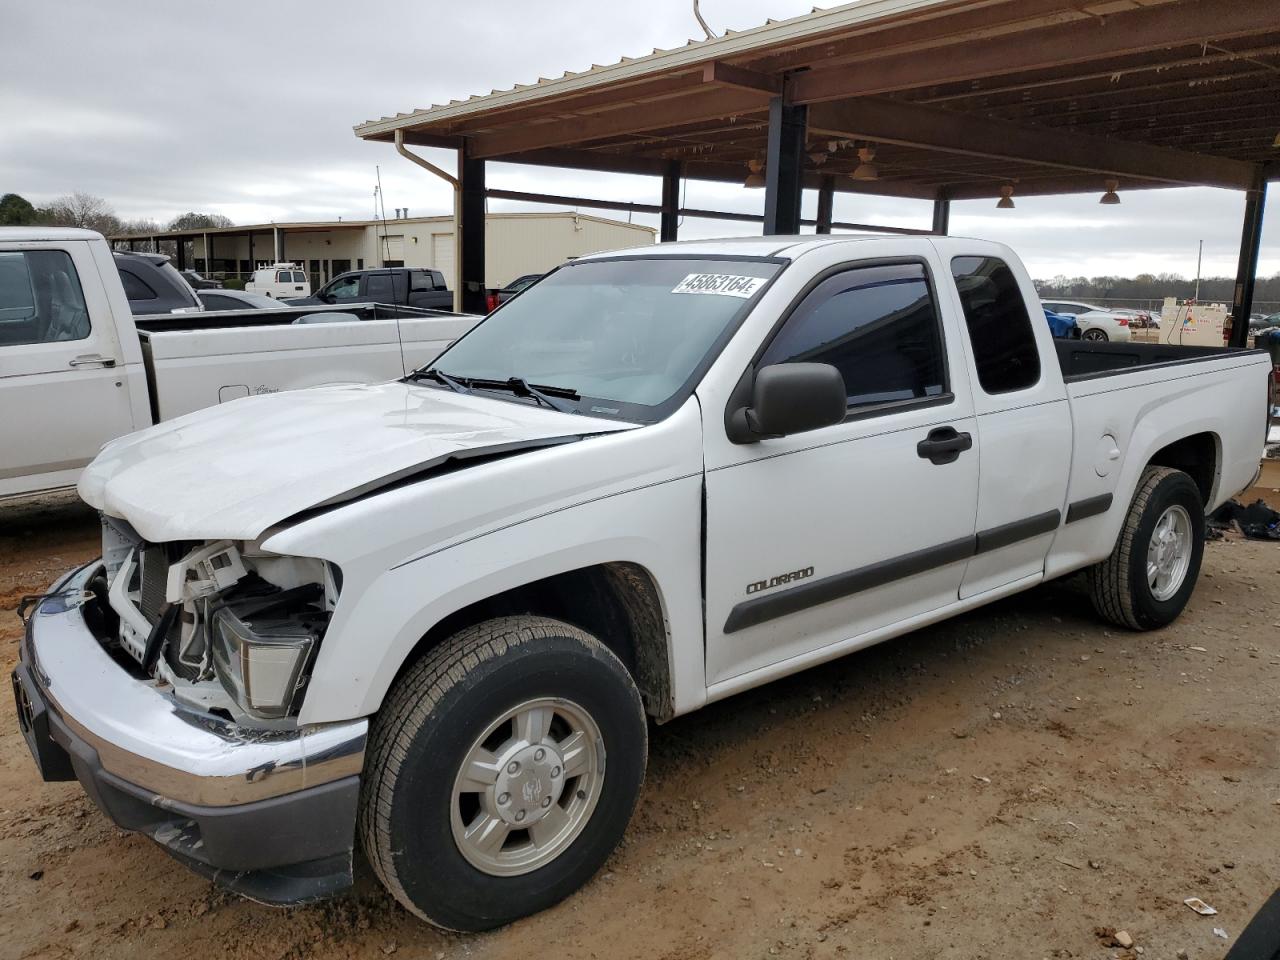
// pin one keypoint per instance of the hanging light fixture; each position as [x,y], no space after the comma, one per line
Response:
[1006,197]
[818,156]
[1277,142]
[1111,198]
[755,179]
[866,168]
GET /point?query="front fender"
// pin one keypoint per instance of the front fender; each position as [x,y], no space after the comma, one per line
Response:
[656,527]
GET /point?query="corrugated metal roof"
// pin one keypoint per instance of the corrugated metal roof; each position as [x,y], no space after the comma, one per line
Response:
[958,98]
[734,43]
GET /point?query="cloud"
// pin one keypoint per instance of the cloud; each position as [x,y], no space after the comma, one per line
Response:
[161,108]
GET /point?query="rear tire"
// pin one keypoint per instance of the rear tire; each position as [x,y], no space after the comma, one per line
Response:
[1096,335]
[485,796]
[1152,570]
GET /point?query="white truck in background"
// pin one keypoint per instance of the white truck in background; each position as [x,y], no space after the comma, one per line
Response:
[78,369]
[430,616]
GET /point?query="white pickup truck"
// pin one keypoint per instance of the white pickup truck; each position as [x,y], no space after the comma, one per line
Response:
[430,616]
[77,369]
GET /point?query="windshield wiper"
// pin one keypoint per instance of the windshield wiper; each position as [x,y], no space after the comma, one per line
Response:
[540,393]
[457,386]
[521,387]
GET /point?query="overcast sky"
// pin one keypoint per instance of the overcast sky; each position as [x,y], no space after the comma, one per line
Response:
[246,109]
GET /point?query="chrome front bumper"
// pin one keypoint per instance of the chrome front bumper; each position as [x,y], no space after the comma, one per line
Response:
[241,805]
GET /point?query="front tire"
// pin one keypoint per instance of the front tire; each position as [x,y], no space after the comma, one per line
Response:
[501,772]
[1152,570]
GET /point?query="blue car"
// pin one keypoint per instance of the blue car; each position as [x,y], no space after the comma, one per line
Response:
[1063,326]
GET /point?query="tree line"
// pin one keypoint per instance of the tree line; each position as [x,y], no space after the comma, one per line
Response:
[94,213]
[1154,287]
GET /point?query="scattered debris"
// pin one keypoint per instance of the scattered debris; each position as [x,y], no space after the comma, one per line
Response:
[1198,649]
[1199,906]
[1219,932]
[1069,863]
[1111,937]
[1256,521]
[981,779]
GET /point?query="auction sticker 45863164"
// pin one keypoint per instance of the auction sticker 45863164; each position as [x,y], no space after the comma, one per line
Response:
[720,284]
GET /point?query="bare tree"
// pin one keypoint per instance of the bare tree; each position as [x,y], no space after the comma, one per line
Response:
[194,221]
[83,210]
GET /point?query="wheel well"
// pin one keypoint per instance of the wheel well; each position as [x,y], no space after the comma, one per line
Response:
[618,603]
[1196,455]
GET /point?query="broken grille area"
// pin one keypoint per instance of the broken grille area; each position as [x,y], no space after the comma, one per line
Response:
[153,571]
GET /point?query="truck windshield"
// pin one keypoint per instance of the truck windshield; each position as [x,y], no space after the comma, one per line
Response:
[627,336]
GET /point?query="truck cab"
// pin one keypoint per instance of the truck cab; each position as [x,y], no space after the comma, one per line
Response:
[71,376]
[419,287]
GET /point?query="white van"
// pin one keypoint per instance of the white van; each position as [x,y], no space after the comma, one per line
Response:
[280,280]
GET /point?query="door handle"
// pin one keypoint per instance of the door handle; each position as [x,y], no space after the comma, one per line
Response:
[88,360]
[943,445]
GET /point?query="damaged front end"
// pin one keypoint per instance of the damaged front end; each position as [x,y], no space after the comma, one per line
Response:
[167,679]
[229,626]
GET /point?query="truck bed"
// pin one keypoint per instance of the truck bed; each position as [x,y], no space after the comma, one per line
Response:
[283,316]
[192,364]
[1084,360]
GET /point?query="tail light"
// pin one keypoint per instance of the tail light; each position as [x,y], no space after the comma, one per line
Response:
[490,302]
[1124,321]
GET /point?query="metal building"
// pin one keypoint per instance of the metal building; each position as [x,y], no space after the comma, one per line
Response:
[519,243]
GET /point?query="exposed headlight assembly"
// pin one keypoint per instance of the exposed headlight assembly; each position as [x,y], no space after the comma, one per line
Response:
[264,640]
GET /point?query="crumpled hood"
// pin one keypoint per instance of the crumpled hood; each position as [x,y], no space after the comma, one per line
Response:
[231,471]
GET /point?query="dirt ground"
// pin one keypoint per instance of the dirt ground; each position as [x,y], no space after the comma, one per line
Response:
[1006,784]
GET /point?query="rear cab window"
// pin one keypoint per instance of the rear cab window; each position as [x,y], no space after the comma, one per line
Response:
[379,289]
[135,288]
[879,326]
[1000,332]
[40,299]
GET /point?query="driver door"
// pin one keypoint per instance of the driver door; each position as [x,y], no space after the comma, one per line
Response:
[832,535]
[342,290]
[62,383]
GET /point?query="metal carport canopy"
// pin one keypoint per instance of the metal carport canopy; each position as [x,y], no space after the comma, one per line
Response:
[958,98]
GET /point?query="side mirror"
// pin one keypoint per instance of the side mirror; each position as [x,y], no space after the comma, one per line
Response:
[789,398]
